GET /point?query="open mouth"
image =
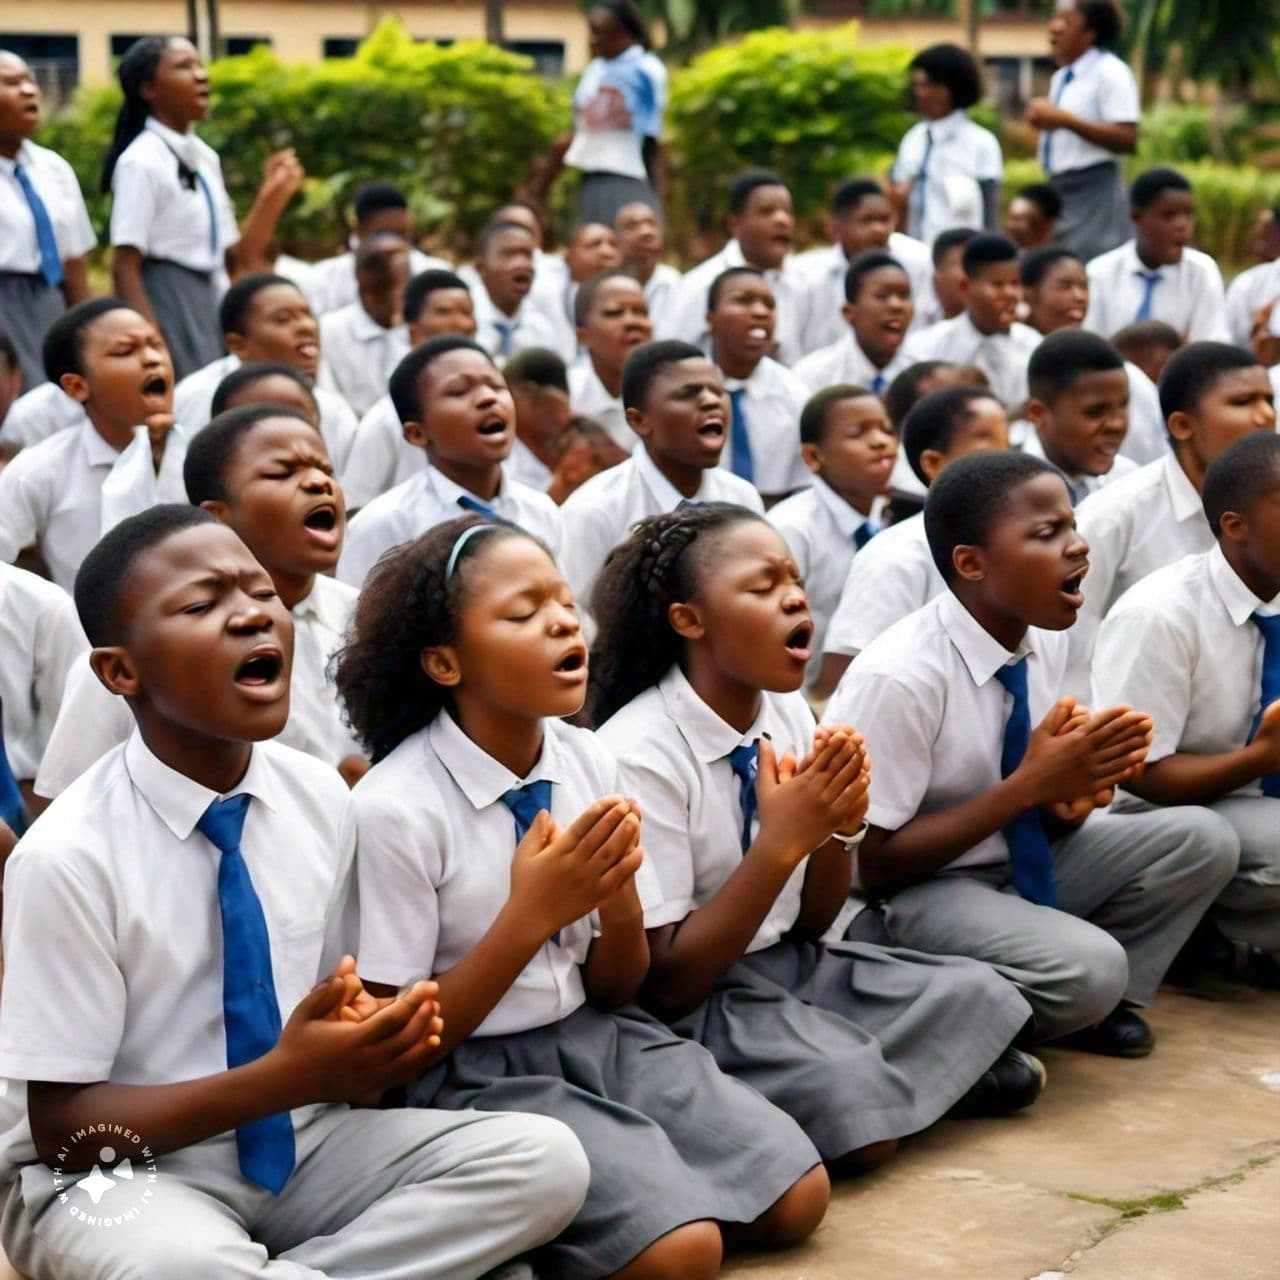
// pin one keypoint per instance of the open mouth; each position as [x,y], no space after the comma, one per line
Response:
[156,385]
[322,519]
[799,640]
[758,333]
[573,665]
[492,427]
[260,669]
[1070,589]
[308,350]
[712,429]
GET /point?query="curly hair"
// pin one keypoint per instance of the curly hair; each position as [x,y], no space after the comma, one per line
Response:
[642,578]
[408,604]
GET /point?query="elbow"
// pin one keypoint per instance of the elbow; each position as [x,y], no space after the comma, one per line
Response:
[662,995]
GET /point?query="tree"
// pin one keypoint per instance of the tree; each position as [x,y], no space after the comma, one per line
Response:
[692,26]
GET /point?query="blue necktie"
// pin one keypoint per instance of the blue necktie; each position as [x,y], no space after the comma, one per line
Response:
[506,336]
[878,383]
[740,460]
[921,179]
[1029,853]
[1150,280]
[864,533]
[250,1009]
[480,508]
[1269,625]
[213,215]
[744,761]
[525,804]
[1046,145]
[50,259]
[12,808]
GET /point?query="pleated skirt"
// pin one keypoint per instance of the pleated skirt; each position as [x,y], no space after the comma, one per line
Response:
[28,306]
[185,303]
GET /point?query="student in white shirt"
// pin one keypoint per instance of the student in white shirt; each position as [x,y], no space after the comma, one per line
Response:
[1032,219]
[36,414]
[165,872]
[1211,394]
[1089,119]
[1148,345]
[1197,646]
[1158,275]
[497,852]
[677,406]
[945,298]
[1250,299]
[366,339]
[454,405]
[62,494]
[507,320]
[10,393]
[540,390]
[948,170]
[591,247]
[765,398]
[987,832]
[612,319]
[877,313]
[848,442]
[640,242]
[762,224]
[44,226]
[861,218]
[586,449]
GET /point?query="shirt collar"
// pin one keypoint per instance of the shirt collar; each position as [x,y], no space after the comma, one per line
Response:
[24,157]
[948,124]
[709,737]
[1186,502]
[97,452]
[183,143]
[1239,602]
[732,256]
[980,651]
[364,328]
[481,778]
[448,493]
[1134,265]
[848,520]
[1084,62]
[178,801]
[325,602]
[664,492]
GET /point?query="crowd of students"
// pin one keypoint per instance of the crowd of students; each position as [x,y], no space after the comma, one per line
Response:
[553,759]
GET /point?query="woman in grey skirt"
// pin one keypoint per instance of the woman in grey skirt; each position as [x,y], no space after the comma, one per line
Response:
[696,670]
[489,859]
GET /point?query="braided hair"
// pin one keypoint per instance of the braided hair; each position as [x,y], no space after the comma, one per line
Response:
[643,577]
[137,68]
[409,603]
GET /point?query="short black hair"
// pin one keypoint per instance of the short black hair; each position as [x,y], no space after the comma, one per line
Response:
[645,363]
[904,391]
[258,371]
[863,265]
[721,282]
[747,183]
[1243,472]
[237,302]
[816,414]
[1147,186]
[403,383]
[213,446]
[1147,335]
[1104,19]
[588,290]
[934,421]
[948,240]
[1044,197]
[537,365]
[966,498]
[1065,356]
[63,343]
[1194,369]
[954,67]
[987,250]
[105,572]
[852,192]
[423,285]
[373,197]
[1038,262]
[496,227]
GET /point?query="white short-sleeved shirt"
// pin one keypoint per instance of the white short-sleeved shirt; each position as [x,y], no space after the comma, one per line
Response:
[688,321]
[1189,296]
[359,355]
[618,103]
[1081,486]
[40,638]
[1102,89]
[823,271]
[598,515]
[553,294]
[1146,440]
[926,699]
[530,327]
[1002,357]
[590,398]
[55,183]
[892,576]
[526,467]
[772,399]
[133,484]
[39,413]
[962,156]
[331,282]
[1252,289]
[819,527]
[436,845]
[660,293]
[844,361]
[428,499]
[1181,646]
[114,965]
[673,751]
[156,213]
[380,457]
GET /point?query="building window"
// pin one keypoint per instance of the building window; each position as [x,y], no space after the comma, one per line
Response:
[54,60]
[120,43]
[235,45]
[547,55]
[340,46]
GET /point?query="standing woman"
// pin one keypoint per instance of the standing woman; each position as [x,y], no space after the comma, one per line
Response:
[44,226]
[1089,119]
[173,229]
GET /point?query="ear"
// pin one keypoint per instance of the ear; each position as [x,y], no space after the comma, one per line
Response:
[1038,412]
[75,385]
[1234,526]
[1181,425]
[686,621]
[441,665]
[218,509]
[811,456]
[931,463]
[235,343]
[832,226]
[415,433]
[635,420]
[115,669]
[969,562]
[846,310]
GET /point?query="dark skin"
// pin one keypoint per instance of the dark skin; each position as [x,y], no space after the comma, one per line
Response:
[1164,228]
[881,313]
[1027,224]
[443,311]
[1027,573]
[280,328]
[1238,402]
[640,244]
[992,297]
[867,225]
[1060,299]
[275,388]
[616,325]
[196,607]
[584,453]
[950,284]
[593,248]
[506,267]
[1086,423]
[381,285]
[742,323]
[542,414]
[765,228]
[857,451]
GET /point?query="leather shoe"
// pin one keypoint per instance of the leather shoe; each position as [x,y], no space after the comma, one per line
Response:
[1123,1033]
[1013,1081]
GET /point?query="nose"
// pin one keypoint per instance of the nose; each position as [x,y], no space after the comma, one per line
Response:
[564,621]
[1079,546]
[1266,415]
[249,616]
[316,480]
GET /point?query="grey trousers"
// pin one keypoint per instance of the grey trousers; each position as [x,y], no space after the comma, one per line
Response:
[1131,888]
[383,1195]
[1248,909]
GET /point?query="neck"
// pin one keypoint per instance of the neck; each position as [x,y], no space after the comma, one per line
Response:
[543,450]
[212,762]
[1004,628]
[1148,258]
[1263,585]
[292,588]
[1059,459]
[10,145]
[735,703]
[643,271]
[507,307]
[117,436]
[875,352]
[482,480]
[170,119]
[513,741]
[610,378]
[1191,466]
[685,478]
[732,365]
[982,328]
[860,502]
[382,311]
[756,262]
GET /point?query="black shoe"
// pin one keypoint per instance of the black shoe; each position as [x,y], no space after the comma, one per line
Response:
[1121,1034]
[1013,1081]
[1212,967]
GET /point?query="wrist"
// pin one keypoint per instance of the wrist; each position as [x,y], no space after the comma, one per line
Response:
[274,1082]
[851,839]
[524,929]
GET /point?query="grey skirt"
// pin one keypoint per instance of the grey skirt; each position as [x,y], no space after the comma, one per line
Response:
[1095,209]
[185,303]
[602,195]
[858,1043]
[670,1138]
[28,306]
